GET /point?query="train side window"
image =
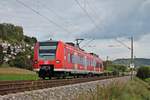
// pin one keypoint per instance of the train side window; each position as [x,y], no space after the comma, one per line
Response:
[68,57]
[100,65]
[88,62]
[80,61]
[75,59]
[71,58]
[97,65]
[65,54]
[85,64]
[94,63]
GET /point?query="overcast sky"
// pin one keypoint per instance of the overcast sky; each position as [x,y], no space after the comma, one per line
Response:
[66,20]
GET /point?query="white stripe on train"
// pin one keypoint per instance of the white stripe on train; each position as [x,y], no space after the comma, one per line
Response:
[73,71]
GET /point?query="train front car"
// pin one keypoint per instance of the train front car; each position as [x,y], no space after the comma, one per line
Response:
[48,56]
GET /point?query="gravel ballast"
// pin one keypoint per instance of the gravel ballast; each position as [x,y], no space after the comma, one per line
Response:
[69,92]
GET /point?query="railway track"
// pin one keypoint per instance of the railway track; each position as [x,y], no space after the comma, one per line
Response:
[7,87]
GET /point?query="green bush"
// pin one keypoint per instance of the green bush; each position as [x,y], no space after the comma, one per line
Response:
[143,72]
[1,55]
[117,68]
[21,61]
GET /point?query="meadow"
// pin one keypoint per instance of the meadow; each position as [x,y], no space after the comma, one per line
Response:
[12,73]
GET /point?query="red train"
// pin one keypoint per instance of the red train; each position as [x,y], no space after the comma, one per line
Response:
[59,59]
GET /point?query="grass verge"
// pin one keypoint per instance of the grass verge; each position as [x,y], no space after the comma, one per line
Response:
[6,77]
[133,90]
[10,73]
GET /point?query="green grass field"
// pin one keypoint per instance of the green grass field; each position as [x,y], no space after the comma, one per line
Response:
[147,80]
[18,77]
[8,73]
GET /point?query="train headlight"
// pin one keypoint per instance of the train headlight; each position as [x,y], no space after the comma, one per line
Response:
[57,61]
[35,62]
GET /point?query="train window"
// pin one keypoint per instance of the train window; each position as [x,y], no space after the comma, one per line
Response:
[47,50]
[94,63]
[81,60]
[88,62]
[97,64]
[100,65]
[68,57]
[85,62]
[65,54]
[73,58]
[91,63]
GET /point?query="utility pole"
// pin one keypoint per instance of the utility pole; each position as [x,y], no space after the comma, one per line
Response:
[132,53]
[131,50]
[132,59]
[107,58]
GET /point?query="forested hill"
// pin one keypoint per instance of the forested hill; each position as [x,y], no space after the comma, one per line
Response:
[16,49]
[138,61]
[14,34]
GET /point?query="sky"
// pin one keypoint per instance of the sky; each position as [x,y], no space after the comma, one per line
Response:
[98,21]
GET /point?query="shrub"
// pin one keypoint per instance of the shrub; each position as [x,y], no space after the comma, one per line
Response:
[1,55]
[143,72]
[117,68]
[21,61]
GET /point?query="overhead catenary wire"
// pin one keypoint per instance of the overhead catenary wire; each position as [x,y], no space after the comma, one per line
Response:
[86,44]
[123,44]
[52,11]
[91,19]
[88,15]
[43,16]
[94,12]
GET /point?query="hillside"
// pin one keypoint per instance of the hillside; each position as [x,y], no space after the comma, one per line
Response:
[16,49]
[138,61]
[14,34]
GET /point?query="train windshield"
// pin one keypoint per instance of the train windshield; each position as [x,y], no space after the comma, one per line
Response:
[47,50]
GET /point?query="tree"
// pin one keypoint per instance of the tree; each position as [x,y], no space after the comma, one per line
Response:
[21,61]
[30,40]
[8,50]
[114,67]
[1,55]
[107,64]
[11,33]
[143,72]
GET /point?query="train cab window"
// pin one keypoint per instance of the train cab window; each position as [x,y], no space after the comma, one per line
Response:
[47,50]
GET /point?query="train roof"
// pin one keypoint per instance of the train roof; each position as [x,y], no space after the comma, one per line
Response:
[74,46]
